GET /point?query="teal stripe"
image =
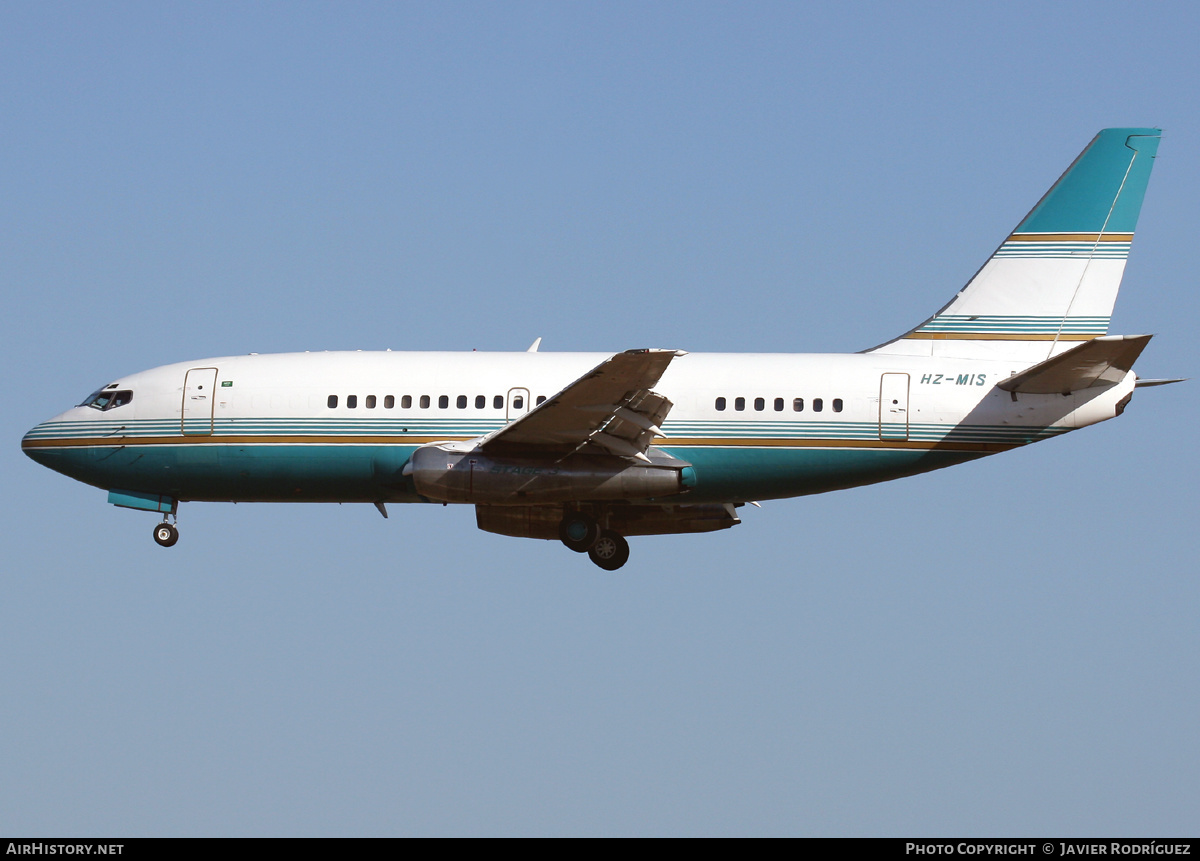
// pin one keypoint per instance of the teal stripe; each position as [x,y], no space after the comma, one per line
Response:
[745,429]
[1037,325]
[1065,250]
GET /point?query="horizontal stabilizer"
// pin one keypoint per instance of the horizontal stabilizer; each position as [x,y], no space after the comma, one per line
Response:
[1098,362]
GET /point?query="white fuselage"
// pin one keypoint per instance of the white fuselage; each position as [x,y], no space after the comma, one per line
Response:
[339,426]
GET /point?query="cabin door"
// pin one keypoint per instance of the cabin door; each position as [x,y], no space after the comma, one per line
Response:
[893,406]
[199,399]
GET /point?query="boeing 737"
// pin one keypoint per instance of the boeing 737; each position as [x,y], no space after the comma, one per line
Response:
[592,448]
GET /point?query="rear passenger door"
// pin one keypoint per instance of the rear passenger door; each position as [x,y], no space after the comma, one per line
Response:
[893,406]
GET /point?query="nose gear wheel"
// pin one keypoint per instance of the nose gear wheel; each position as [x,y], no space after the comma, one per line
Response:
[166,534]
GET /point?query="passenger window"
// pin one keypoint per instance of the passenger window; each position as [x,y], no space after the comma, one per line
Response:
[818,405]
[798,405]
[443,402]
[760,404]
[837,405]
[480,402]
[461,402]
[424,402]
[370,402]
[498,402]
[332,402]
[720,405]
[541,400]
[779,405]
[739,404]
[406,402]
[389,402]
[351,402]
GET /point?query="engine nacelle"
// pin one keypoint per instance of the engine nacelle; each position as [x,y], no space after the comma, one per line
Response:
[445,475]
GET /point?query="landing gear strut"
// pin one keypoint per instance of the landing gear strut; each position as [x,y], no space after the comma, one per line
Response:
[166,534]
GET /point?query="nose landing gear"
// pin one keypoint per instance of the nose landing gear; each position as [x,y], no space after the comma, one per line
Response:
[165,534]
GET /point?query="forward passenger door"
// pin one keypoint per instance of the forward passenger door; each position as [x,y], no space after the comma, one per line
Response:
[199,399]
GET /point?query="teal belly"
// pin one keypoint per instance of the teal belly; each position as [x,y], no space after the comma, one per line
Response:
[211,471]
[742,473]
[244,473]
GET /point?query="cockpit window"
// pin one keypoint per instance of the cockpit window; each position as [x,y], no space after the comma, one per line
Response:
[87,402]
[108,398]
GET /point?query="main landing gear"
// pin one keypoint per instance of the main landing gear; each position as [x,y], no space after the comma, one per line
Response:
[166,534]
[581,533]
[610,551]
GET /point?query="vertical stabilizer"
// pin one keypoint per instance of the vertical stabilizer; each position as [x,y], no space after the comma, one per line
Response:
[1053,282]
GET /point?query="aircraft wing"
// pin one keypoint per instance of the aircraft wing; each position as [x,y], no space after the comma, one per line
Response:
[609,410]
[1101,361]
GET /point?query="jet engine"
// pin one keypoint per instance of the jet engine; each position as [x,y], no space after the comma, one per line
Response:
[444,474]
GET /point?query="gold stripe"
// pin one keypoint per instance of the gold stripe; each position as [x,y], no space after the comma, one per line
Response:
[206,439]
[1070,237]
[710,442]
[995,336]
[927,445]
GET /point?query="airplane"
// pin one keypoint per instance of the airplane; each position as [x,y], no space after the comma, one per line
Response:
[592,448]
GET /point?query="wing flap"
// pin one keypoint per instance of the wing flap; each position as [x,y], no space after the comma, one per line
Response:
[609,410]
[1098,362]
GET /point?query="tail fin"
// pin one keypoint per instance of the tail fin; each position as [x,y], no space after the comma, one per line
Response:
[1054,280]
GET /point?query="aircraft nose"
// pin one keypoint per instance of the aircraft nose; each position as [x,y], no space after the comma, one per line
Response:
[33,443]
[56,445]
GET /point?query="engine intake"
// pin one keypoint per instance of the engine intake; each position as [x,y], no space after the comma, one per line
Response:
[454,476]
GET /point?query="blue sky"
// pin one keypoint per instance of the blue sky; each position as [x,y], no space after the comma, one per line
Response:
[191,180]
